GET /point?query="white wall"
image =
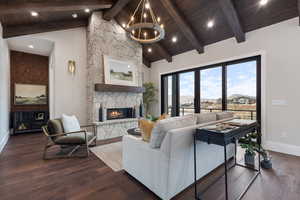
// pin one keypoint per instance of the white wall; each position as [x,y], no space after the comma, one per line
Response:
[4,91]
[67,93]
[280,46]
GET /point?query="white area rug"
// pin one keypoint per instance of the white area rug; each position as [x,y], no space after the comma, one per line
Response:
[110,154]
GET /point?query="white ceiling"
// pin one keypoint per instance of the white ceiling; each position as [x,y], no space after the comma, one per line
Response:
[40,46]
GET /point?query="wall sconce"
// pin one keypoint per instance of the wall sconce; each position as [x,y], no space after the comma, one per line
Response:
[72,67]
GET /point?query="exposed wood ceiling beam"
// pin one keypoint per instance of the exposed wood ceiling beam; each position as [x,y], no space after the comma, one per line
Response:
[111,13]
[185,28]
[12,31]
[146,62]
[233,20]
[162,51]
[299,10]
[52,6]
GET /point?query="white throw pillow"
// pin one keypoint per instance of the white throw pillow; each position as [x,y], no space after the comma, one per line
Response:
[70,123]
[163,126]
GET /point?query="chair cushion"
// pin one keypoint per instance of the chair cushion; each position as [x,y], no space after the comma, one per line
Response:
[73,139]
[55,127]
[224,115]
[206,117]
[70,123]
[163,126]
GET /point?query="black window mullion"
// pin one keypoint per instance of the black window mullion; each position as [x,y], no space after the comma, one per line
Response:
[175,95]
[224,87]
[197,94]
[258,89]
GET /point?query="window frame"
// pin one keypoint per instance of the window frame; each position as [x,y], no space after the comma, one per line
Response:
[197,70]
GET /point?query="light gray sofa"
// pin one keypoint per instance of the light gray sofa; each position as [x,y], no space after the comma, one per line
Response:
[168,170]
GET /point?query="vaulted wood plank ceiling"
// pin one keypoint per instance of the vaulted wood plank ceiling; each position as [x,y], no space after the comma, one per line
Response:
[185,19]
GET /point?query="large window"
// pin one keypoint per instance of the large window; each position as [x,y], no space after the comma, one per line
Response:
[241,89]
[232,86]
[211,89]
[187,91]
[168,94]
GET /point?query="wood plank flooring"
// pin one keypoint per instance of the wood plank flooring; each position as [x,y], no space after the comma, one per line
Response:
[24,175]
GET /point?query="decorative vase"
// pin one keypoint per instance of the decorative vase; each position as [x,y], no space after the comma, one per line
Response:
[266,164]
[249,159]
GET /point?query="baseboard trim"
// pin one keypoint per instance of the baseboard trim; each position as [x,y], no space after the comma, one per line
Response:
[283,148]
[4,141]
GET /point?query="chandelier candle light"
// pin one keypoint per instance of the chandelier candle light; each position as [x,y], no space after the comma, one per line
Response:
[144,26]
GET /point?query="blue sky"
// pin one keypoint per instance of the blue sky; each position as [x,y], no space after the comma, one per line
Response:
[241,80]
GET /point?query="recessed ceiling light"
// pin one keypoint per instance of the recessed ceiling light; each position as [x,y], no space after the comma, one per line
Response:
[174,39]
[263,2]
[124,25]
[210,24]
[74,15]
[34,14]
[31,46]
[158,19]
[87,10]
[149,50]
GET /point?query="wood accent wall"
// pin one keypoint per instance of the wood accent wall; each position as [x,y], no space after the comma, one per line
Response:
[28,69]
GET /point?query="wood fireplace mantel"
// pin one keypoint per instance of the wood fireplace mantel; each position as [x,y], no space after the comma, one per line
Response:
[118,88]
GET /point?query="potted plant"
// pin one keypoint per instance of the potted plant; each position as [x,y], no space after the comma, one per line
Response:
[249,154]
[251,147]
[149,96]
[266,163]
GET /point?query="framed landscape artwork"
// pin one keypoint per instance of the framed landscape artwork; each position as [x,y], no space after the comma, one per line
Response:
[119,72]
[29,94]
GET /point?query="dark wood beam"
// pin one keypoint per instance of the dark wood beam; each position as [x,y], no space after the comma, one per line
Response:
[162,51]
[146,62]
[299,10]
[117,7]
[183,25]
[53,6]
[13,31]
[233,20]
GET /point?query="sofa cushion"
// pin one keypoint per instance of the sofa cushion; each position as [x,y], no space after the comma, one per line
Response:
[224,115]
[70,123]
[162,127]
[73,139]
[206,117]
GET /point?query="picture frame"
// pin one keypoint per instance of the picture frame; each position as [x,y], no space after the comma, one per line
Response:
[119,72]
[30,94]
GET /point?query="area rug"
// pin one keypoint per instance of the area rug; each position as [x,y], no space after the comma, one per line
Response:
[110,154]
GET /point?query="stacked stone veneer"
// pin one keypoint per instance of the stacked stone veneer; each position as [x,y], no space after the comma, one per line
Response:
[109,38]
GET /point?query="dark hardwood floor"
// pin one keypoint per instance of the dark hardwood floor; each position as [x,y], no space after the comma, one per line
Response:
[25,175]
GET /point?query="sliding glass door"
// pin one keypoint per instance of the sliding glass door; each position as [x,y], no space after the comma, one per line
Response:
[186,92]
[230,86]
[242,89]
[211,89]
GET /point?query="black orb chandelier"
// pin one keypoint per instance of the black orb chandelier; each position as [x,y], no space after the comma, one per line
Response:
[144,26]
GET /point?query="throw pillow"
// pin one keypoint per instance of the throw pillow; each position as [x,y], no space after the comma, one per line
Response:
[146,127]
[70,123]
[224,115]
[206,117]
[162,127]
[163,116]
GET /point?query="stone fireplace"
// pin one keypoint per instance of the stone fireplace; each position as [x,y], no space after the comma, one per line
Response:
[109,38]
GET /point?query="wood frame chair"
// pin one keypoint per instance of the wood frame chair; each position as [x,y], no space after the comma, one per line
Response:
[88,140]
